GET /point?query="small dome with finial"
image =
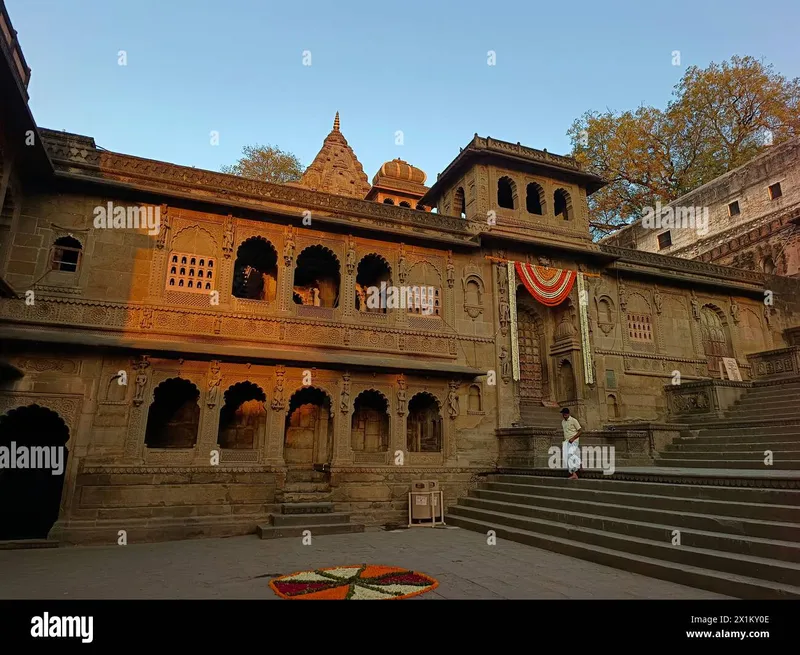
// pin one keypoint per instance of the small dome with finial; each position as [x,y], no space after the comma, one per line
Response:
[397,169]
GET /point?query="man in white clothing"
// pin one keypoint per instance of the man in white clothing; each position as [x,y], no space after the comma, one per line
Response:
[571,448]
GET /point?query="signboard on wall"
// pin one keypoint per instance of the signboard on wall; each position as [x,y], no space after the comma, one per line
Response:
[732,369]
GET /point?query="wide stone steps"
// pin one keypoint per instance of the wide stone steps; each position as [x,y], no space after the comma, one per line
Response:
[300,519]
[787,415]
[316,529]
[767,402]
[546,506]
[749,429]
[751,455]
[684,446]
[654,540]
[738,541]
[748,464]
[679,572]
[646,485]
[738,509]
[731,439]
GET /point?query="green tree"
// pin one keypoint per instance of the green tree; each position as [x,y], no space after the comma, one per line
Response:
[719,118]
[268,164]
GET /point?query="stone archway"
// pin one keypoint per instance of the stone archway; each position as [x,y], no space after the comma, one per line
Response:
[308,433]
[716,340]
[566,382]
[534,384]
[370,426]
[30,493]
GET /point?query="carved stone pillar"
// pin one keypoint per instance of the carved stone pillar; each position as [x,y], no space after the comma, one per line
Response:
[342,446]
[275,437]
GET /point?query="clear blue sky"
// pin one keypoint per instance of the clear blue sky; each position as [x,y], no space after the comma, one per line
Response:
[419,66]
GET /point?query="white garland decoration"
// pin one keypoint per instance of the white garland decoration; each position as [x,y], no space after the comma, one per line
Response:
[583,305]
[512,303]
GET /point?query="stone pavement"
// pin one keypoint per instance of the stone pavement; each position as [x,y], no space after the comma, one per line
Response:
[241,567]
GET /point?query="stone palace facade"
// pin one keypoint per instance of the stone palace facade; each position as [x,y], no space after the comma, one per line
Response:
[195,371]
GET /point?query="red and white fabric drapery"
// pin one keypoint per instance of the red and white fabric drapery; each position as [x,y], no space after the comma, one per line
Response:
[550,287]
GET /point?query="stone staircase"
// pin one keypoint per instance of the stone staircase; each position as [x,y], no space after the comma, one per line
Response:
[765,418]
[539,416]
[306,506]
[736,541]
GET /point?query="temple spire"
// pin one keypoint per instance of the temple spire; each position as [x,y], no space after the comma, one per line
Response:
[336,122]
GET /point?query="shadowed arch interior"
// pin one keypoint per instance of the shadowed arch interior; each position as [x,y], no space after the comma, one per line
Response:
[562,204]
[534,199]
[317,278]
[255,273]
[308,433]
[424,431]
[30,498]
[372,271]
[67,254]
[506,193]
[370,424]
[174,415]
[243,416]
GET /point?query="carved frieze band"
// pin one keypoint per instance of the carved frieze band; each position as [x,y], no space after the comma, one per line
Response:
[145,320]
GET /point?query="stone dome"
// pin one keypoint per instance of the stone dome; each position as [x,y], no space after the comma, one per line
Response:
[397,169]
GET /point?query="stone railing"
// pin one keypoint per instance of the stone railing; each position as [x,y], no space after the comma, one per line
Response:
[775,364]
[792,336]
[683,265]
[116,323]
[635,444]
[703,398]
[75,154]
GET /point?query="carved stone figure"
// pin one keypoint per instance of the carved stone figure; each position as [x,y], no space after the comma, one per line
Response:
[217,325]
[657,300]
[345,399]
[227,239]
[505,365]
[288,248]
[214,381]
[734,311]
[502,279]
[351,256]
[505,316]
[452,400]
[768,314]
[451,270]
[402,272]
[163,227]
[278,401]
[147,318]
[623,300]
[695,306]
[401,395]
[141,367]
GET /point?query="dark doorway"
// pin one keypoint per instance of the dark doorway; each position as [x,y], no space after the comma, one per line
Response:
[30,498]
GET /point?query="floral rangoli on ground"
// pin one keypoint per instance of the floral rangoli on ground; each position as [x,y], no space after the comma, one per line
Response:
[353,583]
